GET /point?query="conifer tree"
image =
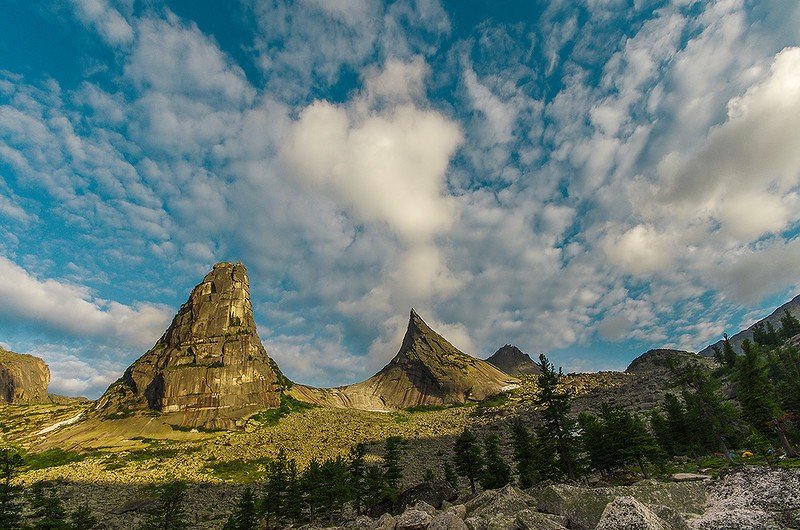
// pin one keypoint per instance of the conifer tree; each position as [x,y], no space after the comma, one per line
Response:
[245,515]
[556,423]
[10,510]
[524,454]
[169,513]
[47,510]
[310,485]
[334,486]
[496,472]
[271,505]
[467,457]
[717,353]
[757,395]
[728,354]
[375,485]
[790,325]
[293,508]
[393,466]
[356,468]
[82,519]
[450,475]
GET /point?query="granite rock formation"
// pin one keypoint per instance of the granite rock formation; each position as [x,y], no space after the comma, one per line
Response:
[209,366]
[513,361]
[427,370]
[23,378]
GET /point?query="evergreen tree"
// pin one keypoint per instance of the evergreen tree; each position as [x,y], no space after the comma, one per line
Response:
[790,325]
[467,457]
[556,423]
[271,505]
[82,519]
[293,507]
[676,433]
[245,515]
[497,472]
[524,454]
[375,485]
[357,473]
[758,397]
[728,354]
[169,513]
[334,486]
[10,510]
[701,395]
[450,475]
[547,465]
[394,447]
[717,353]
[312,492]
[47,510]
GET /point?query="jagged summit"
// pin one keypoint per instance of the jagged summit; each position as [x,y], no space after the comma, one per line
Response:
[426,370]
[514,361]
[23,378]
[209,366]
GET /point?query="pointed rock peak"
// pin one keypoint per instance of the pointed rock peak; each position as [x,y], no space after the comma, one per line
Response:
[514,361]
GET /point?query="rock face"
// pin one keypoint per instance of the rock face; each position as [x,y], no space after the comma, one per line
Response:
[209,366]
[23,378]
[656,361]
[427,370]
[512,360]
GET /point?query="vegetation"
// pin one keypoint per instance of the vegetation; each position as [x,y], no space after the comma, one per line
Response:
[288,405]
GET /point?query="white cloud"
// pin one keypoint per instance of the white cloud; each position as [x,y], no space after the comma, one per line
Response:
[107,20]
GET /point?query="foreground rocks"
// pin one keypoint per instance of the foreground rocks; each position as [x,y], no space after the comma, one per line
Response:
[23,378]
[209,365]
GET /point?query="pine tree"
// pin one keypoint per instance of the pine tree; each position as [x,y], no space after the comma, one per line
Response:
[82,519]
[334,486]
[169,513]
[556,423]
[375,485]
[271,505]
[524,454]
[467,457]
[757,395]
[450,475]
[357,470]
[245,515]
[293,508]
[393,466]
[47,510]
[790,325]
[312,492]
[10,510]
[728,354]
[497,472]
[717,353]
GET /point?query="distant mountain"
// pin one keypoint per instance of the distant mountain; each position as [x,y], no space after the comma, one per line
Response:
[775,319]
[427,370]
[655,361]
[209,367]
[23,378]
[513,361]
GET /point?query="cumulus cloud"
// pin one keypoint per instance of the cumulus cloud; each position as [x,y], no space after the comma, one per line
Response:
[107,20]
[72,309]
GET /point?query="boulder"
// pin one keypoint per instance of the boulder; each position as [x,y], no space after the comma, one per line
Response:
[688,477]
[433,493]
[502,522]
[448,520]
[736,519]
[508,501]
[626,513]
[583,507]
[23,378]
[412,519]
[385,522]
[531,520]
[476,523]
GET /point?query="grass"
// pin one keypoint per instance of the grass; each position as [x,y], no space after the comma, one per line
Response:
[52,458]
[437,407]
[495,400]
[288,405]
[238,470]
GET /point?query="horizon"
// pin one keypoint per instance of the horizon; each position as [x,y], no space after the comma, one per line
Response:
[582,180]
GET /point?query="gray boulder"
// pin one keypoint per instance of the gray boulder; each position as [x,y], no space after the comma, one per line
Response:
[508,500]
[412,519]
[626,513]
[532,520]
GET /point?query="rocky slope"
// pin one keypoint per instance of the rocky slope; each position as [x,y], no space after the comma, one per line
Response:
[427,370]
[513,361]
[209,366]
[747,334]
[23,378]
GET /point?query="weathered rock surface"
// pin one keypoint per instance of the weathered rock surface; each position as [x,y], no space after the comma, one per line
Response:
[427,370]
[508,500]
[413,519]
[626,513]
[583,507]
[656,361]
[23,378]
[513,361]
[209,365]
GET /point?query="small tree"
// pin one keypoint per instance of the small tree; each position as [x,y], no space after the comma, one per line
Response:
[169,513]
[271,505]
[47,510]
[497,472]
[728,354]
[524,454]
[450,475]
[356,468]
[790,325]
[393,466]
[467,457]
[10,511]
[555,402]
[244,516]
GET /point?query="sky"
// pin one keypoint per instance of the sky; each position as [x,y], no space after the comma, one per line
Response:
[584,178]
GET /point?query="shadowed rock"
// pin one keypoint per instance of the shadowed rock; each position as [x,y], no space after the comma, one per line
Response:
[513,361]
[23,378]
[209,366]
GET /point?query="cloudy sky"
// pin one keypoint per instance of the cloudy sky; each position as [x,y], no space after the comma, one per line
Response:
[586,178]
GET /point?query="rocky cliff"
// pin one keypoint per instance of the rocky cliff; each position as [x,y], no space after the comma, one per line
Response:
[209,366]
[23,378]
[512,360]
[427,370]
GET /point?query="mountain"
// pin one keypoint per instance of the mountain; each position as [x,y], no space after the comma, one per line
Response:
[512,360]
[23,378]
[774,318]
[209,367]
[427,370]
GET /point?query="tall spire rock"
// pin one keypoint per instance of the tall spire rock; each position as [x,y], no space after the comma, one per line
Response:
[427,370]
[209,367]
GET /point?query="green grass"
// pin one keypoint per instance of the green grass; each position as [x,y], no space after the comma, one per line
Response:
[238,470]
[437,407]
[288,405]
[495,400]
[401,418]
[52,458]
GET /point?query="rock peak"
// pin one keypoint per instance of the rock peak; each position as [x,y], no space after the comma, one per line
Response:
[514,361]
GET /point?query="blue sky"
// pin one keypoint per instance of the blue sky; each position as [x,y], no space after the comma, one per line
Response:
[584,178]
